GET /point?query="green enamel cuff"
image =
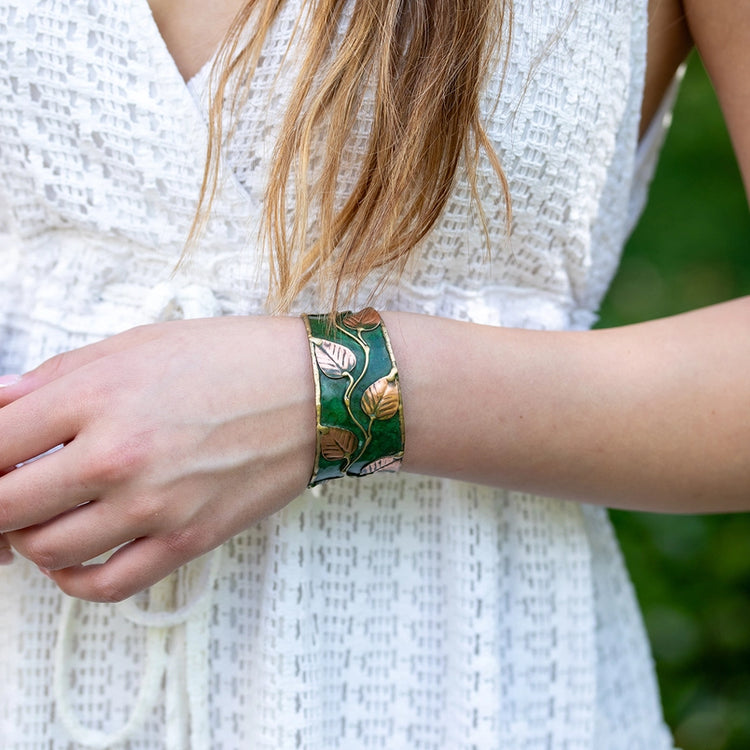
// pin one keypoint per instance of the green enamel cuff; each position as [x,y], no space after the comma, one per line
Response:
[358,398]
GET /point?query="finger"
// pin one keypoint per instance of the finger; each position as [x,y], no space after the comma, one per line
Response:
[75,537]
[53,402]
[6,553]
[6,384]
[15,386]
[43,489]
[44,419]
[131,569]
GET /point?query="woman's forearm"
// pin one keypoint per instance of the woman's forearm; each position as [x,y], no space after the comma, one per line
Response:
[654,416]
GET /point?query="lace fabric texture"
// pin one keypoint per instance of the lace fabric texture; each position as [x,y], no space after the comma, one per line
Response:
[399,612]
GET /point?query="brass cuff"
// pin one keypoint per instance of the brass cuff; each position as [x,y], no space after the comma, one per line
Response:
[360,418]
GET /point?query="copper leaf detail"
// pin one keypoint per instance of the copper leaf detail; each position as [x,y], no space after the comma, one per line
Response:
[381,399]
[334,360]
[366,320]
[337,443]
[386,463]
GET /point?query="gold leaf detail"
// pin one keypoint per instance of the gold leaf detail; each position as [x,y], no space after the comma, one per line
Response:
[386,463]
[337,443]
[365,320]
[381,399]
[334,360]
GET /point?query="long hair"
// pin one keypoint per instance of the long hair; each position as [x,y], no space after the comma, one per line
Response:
[425,62]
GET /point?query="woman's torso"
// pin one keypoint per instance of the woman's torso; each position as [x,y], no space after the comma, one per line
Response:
[402,612]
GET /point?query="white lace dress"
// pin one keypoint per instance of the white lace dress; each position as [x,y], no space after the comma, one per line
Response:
[399,612]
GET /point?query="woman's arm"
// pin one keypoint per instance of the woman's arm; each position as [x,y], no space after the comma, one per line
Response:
[166,426]
[653,416]
[179,436]
[721,31]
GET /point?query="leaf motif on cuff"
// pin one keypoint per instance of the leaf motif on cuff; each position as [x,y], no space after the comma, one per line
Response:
[334,360]
[381,399]
[337,443]
[364,320]
[387,463]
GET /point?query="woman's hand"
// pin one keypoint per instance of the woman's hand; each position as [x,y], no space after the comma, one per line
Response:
[176,437]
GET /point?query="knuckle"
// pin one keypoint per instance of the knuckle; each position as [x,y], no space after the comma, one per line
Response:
[106,589]
[187,543]
[100,391]
[118,463]
[6,516]
[38,550]
[143,511]
[54,366]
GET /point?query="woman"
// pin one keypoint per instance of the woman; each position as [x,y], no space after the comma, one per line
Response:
[425,609]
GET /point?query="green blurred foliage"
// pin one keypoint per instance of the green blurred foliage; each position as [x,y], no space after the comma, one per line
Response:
[692,574]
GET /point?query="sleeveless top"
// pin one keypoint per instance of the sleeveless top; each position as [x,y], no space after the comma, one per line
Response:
[399,612]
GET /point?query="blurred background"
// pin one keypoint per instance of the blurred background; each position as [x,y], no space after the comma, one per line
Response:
[692,574]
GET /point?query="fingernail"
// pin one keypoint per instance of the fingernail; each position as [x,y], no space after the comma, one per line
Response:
[6,556]
[44,571]
[6,380]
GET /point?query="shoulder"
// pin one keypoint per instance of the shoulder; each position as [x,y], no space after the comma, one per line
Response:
[721,30]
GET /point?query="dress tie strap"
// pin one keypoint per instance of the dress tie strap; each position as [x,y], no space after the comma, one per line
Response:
[169,300]
[176,652]
[176,639]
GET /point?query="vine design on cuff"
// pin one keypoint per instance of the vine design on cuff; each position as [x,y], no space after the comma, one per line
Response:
[360,423]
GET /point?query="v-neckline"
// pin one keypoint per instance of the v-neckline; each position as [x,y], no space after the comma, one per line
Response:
[161,43]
